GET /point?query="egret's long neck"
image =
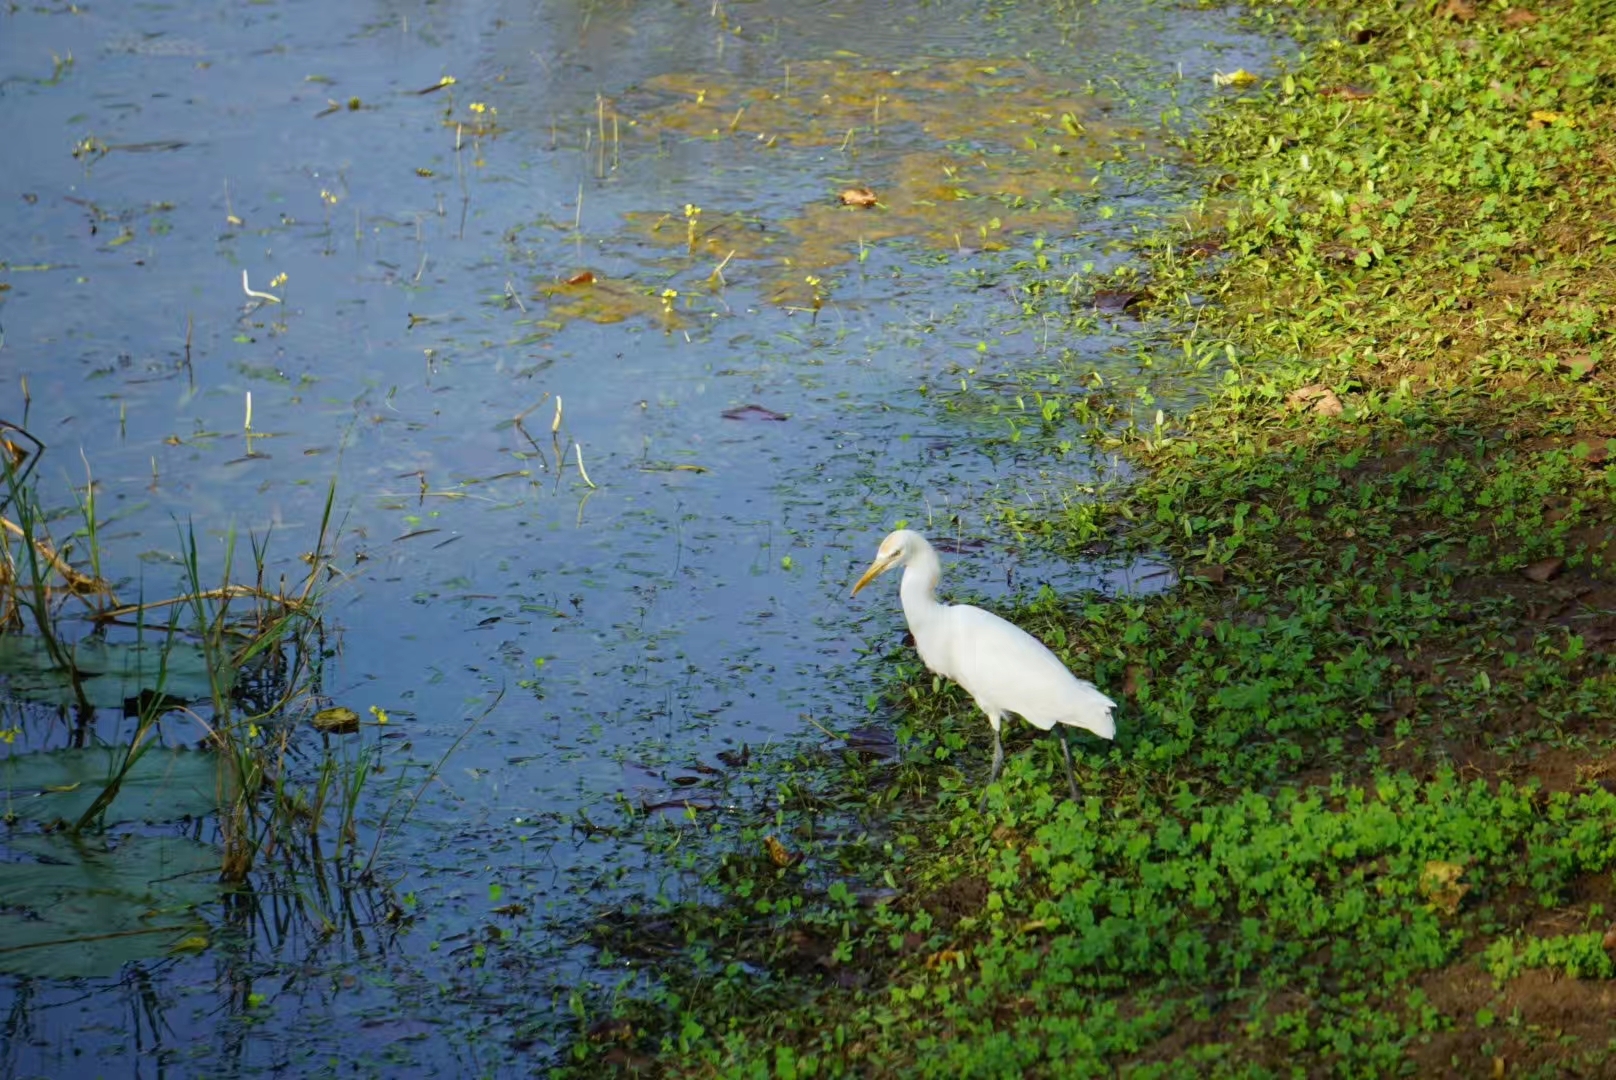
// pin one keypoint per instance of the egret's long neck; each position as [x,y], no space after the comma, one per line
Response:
[919,589]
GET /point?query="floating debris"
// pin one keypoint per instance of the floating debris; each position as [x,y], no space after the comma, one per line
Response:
[753,412]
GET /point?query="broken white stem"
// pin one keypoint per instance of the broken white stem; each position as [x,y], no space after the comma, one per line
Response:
[578,453]
[254,293]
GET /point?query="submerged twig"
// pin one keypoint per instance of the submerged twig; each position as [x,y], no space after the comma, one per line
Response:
[227,592]
[79,584]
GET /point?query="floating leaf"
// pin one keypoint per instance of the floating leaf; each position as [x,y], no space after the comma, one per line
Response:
[1237,78]
[336,720]
[109,672]
[671,466]
[162,784]
[83,909]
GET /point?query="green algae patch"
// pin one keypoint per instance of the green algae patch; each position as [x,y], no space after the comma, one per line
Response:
[951,156]
[594,298]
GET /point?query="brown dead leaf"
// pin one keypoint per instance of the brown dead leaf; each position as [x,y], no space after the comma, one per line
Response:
[1505,95]
[625,1060]
[1316,398]
[1578,365]
[1457,10]
[1343,253]
[1213,572]
[1593,451]
[1133,678]
[611,1031]
[1515,18]
[15,451]
[862,197]
[1544,570]
[872,742]
[779,854]
[1347,92]
[1440,884]
[1609,941]
[582,277]
[1119,301]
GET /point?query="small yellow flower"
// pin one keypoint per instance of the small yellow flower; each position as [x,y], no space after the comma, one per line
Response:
[278,280]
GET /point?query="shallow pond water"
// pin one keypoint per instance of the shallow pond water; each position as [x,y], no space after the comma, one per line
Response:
[617,395]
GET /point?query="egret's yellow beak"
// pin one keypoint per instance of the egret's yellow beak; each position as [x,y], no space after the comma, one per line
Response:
[877,568]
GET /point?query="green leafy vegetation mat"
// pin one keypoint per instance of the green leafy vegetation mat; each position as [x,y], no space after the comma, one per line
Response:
[1360,819]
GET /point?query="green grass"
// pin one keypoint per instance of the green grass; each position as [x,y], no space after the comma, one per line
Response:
[1359,820]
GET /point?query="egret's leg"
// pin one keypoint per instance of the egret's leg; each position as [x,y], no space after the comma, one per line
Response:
[993,772]
[1066,753]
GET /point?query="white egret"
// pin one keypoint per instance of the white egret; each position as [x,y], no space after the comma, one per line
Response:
[1004,668]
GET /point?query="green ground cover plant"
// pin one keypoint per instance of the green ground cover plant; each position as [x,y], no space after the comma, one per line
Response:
[1360,818]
